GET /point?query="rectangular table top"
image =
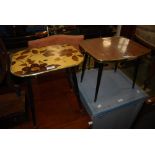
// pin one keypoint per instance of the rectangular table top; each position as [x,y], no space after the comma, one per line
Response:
[34,61]
[113,48]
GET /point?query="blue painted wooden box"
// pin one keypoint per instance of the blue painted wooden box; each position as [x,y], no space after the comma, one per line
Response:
[117,104]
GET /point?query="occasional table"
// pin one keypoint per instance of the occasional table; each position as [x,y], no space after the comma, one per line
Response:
[111,49]
[35,61]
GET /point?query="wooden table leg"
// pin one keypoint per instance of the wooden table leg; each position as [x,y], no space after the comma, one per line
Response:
[100,69]
[31,100]
[137,62]
[84,66]
[76,88]
[116,66]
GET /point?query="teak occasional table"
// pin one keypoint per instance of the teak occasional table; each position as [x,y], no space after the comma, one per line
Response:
[32,62]
[111,49]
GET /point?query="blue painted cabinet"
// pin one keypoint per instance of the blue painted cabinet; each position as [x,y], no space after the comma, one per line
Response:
[117,104]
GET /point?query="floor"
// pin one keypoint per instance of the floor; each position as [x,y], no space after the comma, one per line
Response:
[56,104]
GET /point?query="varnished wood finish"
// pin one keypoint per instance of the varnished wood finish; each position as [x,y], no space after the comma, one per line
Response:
[36,61]
[113,49]
[73,40]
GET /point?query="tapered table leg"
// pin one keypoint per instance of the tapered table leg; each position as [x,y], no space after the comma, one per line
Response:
[26,105]
[31,100]
[100,69]
[76,88]
[68,71]
[116,66]
[137,62]
[84,66]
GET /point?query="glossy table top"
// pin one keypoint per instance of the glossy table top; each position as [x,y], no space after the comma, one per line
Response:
[113,49]
[30,62]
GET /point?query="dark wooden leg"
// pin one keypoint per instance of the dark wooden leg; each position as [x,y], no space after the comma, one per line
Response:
[116,66]
[76,88]
[26,105]
[84,66]
[31,100]
[137,62]
[89,61]
[68,72]
[100,69]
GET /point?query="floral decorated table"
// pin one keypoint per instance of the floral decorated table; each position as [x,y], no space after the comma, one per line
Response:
[35,61]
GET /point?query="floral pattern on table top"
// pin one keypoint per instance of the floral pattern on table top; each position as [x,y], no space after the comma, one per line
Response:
[35,61]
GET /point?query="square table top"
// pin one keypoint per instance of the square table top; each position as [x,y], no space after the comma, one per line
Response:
[113,49]
[34,61]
